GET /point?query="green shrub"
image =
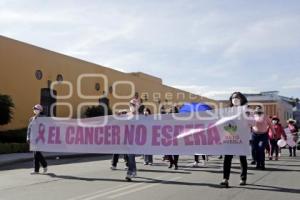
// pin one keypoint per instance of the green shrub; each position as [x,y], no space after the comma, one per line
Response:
[13,148]
[96,111]
[6,106]
[13,136]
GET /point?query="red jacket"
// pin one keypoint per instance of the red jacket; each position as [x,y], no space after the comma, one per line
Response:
[279,131]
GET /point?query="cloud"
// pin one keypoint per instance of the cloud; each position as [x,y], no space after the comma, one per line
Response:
[267,35]
[186,43]
[218,93]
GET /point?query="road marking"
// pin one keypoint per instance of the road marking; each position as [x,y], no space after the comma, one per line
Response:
[141,188]
[95,193]
[94,196]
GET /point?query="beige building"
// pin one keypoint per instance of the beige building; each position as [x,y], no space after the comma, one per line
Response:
[272,103]
[30,73]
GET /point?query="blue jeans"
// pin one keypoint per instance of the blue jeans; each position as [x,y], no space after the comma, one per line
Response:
[260,143]
[253,150]
[131,164]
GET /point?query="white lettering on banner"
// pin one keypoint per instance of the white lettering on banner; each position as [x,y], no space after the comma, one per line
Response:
[228,134]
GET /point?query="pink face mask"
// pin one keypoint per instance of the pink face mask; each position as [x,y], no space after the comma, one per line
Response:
[258,117]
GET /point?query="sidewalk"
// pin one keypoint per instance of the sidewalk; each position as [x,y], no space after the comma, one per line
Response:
[12,158]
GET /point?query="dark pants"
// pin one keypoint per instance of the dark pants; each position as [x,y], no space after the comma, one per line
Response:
[227,167]
[131,164]
[292,151]
[173,159]
[197,158]
[253,152]
[260,143]
[115,159]
[148,159]
[274,147]
[39,159]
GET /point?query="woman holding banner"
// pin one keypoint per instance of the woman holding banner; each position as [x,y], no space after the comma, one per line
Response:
[173,158]
[236,99]
[134,105]
[148,159]
[38,156]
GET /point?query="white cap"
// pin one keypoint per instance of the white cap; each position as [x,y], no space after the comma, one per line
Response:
[38,107]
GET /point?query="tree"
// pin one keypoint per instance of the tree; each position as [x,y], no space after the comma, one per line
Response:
[6,106]
[100,110]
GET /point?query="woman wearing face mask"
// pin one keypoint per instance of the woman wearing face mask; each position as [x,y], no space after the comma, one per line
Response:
[275,137]
[236,99]
[38,156]
[294,131]
[261,129]
[134,105]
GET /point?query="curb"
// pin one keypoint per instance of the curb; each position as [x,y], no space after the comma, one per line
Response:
[21,160]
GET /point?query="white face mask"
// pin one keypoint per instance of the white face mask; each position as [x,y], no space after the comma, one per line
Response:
[36,112]
[236,101]
[274,122]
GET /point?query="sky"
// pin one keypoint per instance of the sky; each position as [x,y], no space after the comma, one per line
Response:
[211,48]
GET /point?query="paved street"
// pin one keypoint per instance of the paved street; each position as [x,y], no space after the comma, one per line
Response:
[91,178]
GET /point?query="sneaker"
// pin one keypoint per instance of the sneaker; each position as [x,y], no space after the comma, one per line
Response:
[176,167]
[34,173]
[151,163]
[270,158]
[133,174]
[145,163]
[113,167]
[195,164]
[253,163]
[128,177]
[242,182]
[204,164]
[45,170]
[225,183]
[126,168]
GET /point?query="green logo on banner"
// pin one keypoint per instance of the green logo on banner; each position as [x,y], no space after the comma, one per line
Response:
[230,128]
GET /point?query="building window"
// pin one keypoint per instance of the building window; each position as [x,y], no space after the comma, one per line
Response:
[59,78]
[97,86]
[38,74]
[110,89]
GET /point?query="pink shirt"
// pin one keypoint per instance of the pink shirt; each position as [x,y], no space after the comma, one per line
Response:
[261,124]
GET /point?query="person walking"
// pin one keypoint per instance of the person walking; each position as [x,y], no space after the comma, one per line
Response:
[236,99]
[134,105]
[148,159]
[275,137]
[261,128]
[37,155]
[292,127]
